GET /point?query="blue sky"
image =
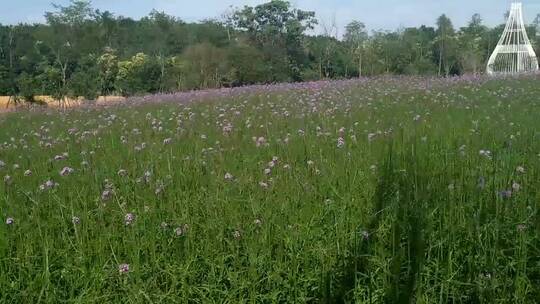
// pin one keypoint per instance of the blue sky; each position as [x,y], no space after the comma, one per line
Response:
[377,14]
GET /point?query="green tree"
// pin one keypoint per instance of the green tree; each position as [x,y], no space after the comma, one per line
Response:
[242,71]
[416,45]
[445,46]
[206,66]
[355,38]
[278,30]
[138,75]
[326,55]
[107,65]
[52,80]
[5,81]
[27,87]
[175,75]
[64,37]
[535,39]
[85,81]
[471,52]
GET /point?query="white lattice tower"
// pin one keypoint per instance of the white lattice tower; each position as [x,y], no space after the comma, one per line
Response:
[514,53]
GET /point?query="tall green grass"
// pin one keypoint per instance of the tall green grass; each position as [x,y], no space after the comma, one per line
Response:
[408,210]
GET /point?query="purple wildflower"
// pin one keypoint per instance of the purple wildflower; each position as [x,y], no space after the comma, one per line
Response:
[260,142]
[365,235]
[106,195]
[506,194]
[147,176]
[59,157]
[66,171]
[129,218]
[123,268]
[75,220]
[340,142]
[481,182]
[48,185]
[227,129]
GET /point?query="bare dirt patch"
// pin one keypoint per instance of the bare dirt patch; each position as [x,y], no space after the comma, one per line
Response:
[7,105]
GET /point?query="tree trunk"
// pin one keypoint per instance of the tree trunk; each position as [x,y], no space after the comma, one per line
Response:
[360,66]
[11,50]
[440,62]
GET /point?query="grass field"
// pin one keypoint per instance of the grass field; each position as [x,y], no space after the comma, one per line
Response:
[391,190]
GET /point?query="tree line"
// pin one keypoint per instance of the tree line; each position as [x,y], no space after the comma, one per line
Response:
[81,51]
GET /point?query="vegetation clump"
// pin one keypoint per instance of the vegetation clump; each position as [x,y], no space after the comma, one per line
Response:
[389,190]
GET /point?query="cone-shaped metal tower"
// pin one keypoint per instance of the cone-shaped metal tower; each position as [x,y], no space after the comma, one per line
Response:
[514,53]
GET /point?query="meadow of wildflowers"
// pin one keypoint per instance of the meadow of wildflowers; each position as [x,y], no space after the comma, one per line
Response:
[389,190]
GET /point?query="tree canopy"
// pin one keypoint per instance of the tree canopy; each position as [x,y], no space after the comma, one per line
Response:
[81,51]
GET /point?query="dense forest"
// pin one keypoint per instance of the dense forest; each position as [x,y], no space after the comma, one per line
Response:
[81,51]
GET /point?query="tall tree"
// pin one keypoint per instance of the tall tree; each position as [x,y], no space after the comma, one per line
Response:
[445,45]
[107,65]
[536,37]
[278,30]
[206,66]
[138,75]
[471,53]
[65,38]
[355,37]
[85,79]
